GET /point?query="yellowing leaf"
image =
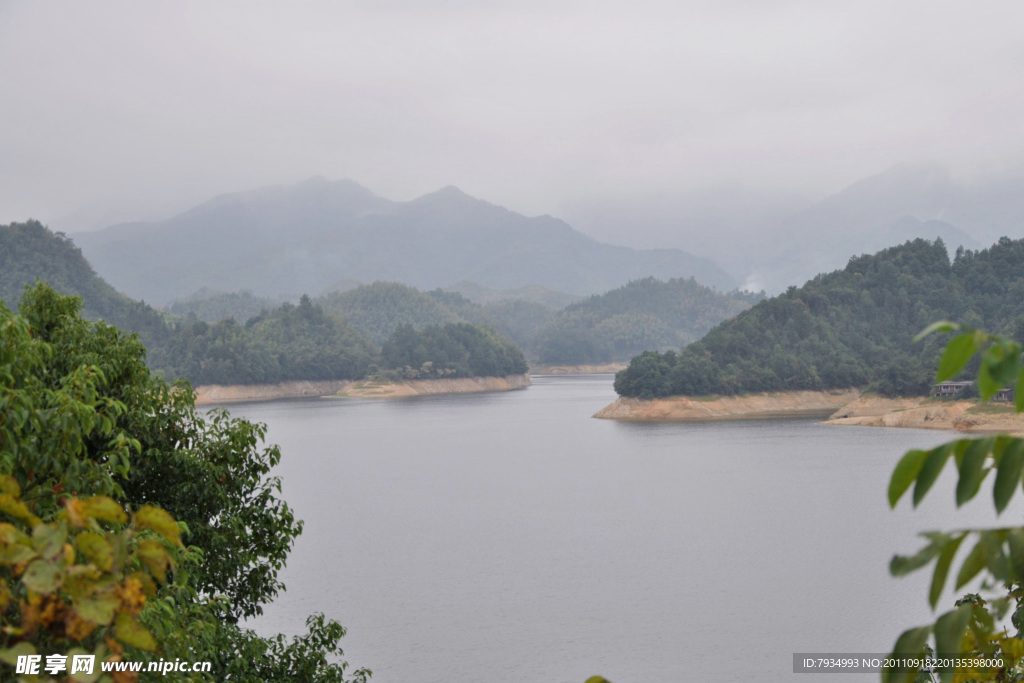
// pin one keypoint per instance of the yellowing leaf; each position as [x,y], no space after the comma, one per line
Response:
[104,509]
[99,609]
[131,632]
[154,556]
[9,485]
[11,654]
[15,508]
[48,540]
[95,549]
[160,521]
[41,577]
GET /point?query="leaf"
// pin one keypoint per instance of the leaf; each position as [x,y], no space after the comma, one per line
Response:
[160,521]
[995,559]
[155,557]
[80,580]
[95,549]
[940,326]
[972,469]
[958,351]
[902,564]
[987,385]
[949,633]
[48,540]
[104,509]
[16,554]
[1003,361]
[930,470]
[942,568]
[15,508]
[41,577]
[1018,395]
[99,609]
[11,654]
[9,485]
[131,632]
[1008,474]
[973,563]
[910,644]
[904,474]
[1015,539]
[81,676]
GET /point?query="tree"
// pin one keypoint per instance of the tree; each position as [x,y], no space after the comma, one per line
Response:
[106,473]
[985,650]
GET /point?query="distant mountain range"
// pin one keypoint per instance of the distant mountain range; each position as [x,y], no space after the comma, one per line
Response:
[773,242]
[310,236]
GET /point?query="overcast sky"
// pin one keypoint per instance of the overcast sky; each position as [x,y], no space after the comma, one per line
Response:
[130,109]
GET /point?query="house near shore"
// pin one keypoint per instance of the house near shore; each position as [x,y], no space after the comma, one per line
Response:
[944,389]
[950,388]
[1007,394]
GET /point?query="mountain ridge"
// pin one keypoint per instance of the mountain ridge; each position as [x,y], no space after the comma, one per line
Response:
[302,237]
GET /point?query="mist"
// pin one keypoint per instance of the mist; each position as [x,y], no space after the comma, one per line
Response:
[117,111]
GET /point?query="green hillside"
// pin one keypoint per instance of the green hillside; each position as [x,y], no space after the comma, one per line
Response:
[289,342]
[849,328]
[644,314]
[30,251]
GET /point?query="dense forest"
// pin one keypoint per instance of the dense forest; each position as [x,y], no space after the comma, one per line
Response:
[850,328]
[644,314]
[289,342]
[452,350]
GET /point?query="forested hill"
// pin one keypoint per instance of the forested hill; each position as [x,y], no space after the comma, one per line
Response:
[289,342]
[850,328]
[644,314]
[29,251]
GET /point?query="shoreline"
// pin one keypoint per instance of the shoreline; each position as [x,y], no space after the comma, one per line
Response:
[592,369]
[212,394]
[841,407]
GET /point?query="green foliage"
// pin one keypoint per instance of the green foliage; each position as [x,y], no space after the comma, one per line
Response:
[972,629]
[376,310]
[288,343]
[850,328]
[105,471]
[211,306]
[454,350]
[643,315]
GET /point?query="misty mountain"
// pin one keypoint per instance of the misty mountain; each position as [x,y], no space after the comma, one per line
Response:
[308,237]
[777,241]
[906,202]
[854,327]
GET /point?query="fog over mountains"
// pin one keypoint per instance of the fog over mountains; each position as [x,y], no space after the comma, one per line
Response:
[777,241]
[321,235]
[310,236]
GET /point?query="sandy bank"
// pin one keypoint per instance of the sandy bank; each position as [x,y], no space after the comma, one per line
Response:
[575,369]
[923,413]
[233,393]
[747,407]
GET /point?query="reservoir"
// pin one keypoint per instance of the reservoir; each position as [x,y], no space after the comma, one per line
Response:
[511,537]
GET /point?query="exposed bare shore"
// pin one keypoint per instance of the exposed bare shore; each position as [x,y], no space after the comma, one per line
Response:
[575,369]
[922,413]
[746,407]
[840,407]
[233,393]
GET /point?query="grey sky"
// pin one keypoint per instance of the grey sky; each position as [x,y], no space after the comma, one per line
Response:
[147,107]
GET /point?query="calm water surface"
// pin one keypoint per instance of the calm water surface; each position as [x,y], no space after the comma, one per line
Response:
[510,537]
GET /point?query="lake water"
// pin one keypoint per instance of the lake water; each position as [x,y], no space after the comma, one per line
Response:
[511,537]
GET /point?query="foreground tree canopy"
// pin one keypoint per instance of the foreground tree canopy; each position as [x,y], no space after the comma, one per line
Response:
[850,328]
[969,642]
[131,527]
